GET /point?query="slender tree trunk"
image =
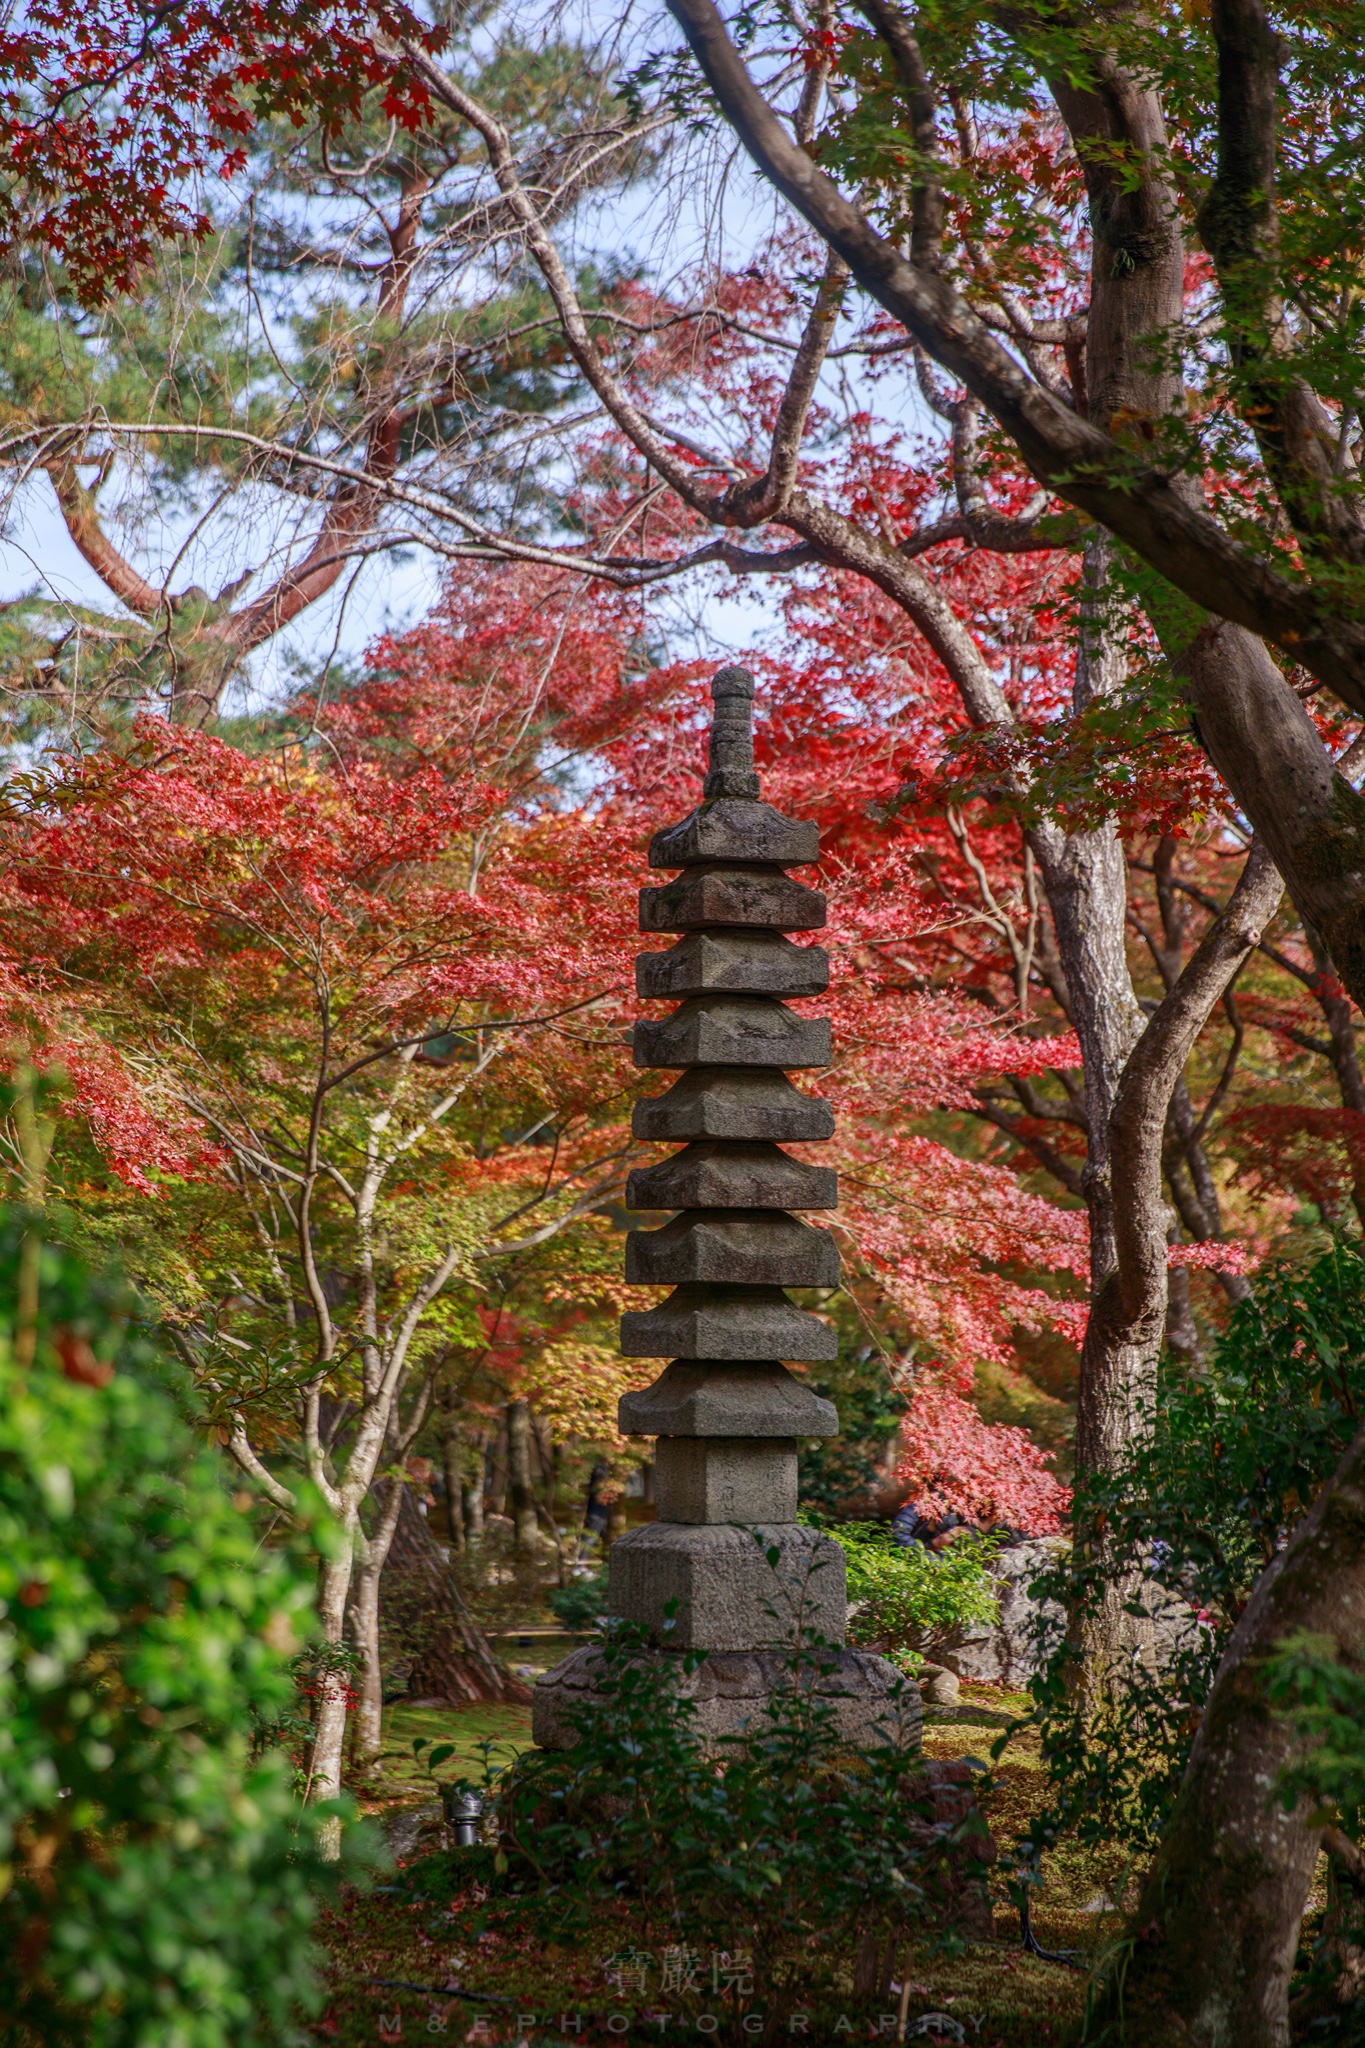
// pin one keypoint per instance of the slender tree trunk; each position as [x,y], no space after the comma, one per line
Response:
[369,1728]
[1182,1333]
[497,1469]
[452,1460]
[1128,1311]
[519,1483]
[473,1499]
[329,1729]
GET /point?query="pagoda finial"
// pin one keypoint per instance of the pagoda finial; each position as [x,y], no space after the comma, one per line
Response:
[732,735]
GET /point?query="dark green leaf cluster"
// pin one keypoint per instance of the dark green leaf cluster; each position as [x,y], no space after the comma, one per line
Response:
[776,1833]
[836,1471]
[1324,1697]
[581,1604]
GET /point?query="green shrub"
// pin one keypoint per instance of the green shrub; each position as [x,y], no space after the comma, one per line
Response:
[905,1595]
[581,1604]
[1324,1698]
[158,1884]
[776,1837]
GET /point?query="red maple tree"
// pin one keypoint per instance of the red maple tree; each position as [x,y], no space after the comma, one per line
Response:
[112,115]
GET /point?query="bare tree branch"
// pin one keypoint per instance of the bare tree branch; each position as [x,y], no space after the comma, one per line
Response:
[1082,464]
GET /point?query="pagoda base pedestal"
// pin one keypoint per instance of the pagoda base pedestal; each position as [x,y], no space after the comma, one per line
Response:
[732,1690]
[729,1588]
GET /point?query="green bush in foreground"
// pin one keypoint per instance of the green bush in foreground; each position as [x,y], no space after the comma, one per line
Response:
[778,1840]
[158,1885]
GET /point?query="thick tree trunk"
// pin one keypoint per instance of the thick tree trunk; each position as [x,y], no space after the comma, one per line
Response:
[1136,286]
[1339,1015]
[1266,747]
[1086,879]
[1085,875]
[1208,1957]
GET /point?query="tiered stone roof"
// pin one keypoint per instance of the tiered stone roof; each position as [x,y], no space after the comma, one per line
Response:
[726,1412]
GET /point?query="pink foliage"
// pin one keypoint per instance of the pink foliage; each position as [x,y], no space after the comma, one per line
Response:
[953,1462]
[1213,1257]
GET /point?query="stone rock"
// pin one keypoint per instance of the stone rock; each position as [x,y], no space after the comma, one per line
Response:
[733,1102]
[938,1686]
[732,963]
[728,1595]
[711,1398]
[707,1480]
[764,898]
[1009,1652]
[733,829]
[409,1828]
[1029,1630]
[732,1031]
[750,1247]
[733,1689]
[711,1174]
[728,1322]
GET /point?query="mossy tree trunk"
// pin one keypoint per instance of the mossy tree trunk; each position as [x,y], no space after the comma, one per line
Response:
[1209,1952]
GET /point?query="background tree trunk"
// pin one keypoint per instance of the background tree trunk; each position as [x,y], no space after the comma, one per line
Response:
[452,1466]
[495,1500]
[457,1662]
[369,1724]
[519,1484]
[329,1729]
[473,1498]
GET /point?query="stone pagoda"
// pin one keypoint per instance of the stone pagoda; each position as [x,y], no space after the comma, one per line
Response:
[726,1413]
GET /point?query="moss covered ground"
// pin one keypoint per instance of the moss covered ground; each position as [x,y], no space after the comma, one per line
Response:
[469,1729]
[441,1921]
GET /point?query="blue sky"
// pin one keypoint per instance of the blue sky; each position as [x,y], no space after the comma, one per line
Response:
[716,210]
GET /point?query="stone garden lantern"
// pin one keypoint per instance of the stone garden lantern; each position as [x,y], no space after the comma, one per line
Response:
[726,1413]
